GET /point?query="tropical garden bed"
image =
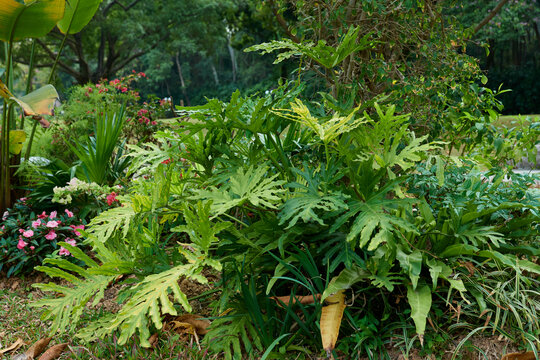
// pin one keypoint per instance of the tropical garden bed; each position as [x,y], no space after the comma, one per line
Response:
[364,208]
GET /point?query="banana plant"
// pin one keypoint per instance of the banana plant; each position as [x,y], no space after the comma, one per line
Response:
[19,21]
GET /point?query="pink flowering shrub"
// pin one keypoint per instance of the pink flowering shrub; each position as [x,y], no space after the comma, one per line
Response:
[27,237]
[75,118]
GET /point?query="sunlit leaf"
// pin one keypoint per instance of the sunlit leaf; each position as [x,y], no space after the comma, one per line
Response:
[331,316]
[39,102]
[16,140]
[77,15]
[30,20]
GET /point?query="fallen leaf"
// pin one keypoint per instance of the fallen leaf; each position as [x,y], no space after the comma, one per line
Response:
[199,324]
[331,316]
[529,355]
[15,285]
[153,339]
[17,344]
[35,350]
[54,352]
[309,299]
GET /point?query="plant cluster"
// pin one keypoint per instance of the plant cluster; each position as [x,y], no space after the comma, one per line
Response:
[289,198]
[76,117]
[340,213]
[28,237]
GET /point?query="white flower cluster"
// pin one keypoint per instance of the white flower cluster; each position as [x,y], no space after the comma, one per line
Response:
[75,187]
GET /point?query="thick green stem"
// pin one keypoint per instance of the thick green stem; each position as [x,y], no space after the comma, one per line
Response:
[30,141]
[60,51]
[5,171]
[30,71]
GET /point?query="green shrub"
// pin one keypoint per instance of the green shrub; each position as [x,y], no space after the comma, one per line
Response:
[27,238]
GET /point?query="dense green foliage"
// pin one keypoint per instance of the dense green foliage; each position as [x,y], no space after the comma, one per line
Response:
[341,181]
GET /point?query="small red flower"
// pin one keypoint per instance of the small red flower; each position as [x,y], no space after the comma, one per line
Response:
[111,198]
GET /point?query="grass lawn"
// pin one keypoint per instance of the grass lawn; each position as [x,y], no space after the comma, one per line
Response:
[20,321]
[510,120]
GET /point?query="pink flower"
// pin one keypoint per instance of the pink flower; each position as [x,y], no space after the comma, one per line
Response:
[52,224]
[63,250]
[21,243]
[42,216]
[28,233]
[69,213]
[53,215]
[75,228]
[154,122]
[36,223]
[111,198]
[32,247]
[51,235]
[124,89]
[21,231]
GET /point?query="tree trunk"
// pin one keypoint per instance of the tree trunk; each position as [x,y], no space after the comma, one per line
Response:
[182,83]
[214,71]
[233,59]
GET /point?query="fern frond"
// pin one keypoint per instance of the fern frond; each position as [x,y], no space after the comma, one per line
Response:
[230,334]
[327,130]
[66,310]
[250,186]
[308,199]
[375,223]
[104,226]
[149,299]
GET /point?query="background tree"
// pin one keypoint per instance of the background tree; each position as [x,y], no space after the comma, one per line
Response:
[189,49]
[508,47]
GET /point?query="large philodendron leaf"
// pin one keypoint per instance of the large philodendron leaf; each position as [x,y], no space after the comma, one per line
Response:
[39,102]
[78,14]
[32,19]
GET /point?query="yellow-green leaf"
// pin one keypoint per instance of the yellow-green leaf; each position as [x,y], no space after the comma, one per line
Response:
[39,102]
[78,14]
[29,20]
[331,316]
[16,140]
[4,91]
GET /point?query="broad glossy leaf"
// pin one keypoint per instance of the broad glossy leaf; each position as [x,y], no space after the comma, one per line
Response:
[39,102]
[345,279]
[420,302]
[78,13]
[30,20]
[16,140]
[412,264]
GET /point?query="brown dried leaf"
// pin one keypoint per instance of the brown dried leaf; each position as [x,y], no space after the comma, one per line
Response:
[529,355]
[153,340]
[196,321]
[17,344]
[54,352]
[37,348]
[331,316]
[309,299]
